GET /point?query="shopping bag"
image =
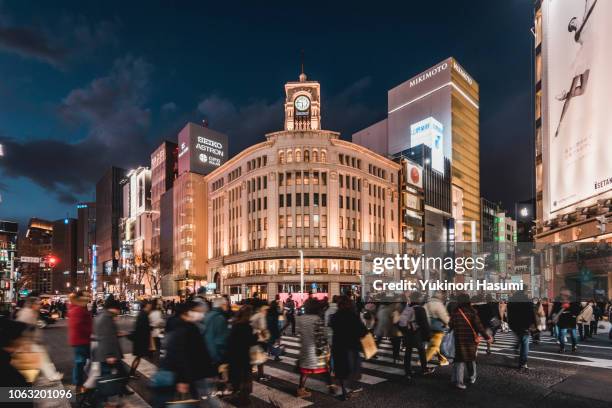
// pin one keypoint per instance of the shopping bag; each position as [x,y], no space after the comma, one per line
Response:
[257,355]
[113,383]
[447,347]
[369,346]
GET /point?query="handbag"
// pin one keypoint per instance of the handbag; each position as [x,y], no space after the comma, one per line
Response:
[477,338]
[28,364]
[257,355]
[447,347]
[369,346]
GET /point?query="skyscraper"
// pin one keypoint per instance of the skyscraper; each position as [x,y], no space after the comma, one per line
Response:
[440,109]
[109,203]
[64,249]
[86,238]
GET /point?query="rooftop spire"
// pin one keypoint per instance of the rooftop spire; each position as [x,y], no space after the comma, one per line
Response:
[302,74]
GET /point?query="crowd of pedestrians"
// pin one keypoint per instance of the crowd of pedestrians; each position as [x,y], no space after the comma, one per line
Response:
[207,349]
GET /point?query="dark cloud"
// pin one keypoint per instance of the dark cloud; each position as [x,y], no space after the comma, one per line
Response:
[113,110]
[73,36]
[31,43]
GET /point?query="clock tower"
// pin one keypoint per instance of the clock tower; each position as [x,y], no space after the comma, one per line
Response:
[303,104]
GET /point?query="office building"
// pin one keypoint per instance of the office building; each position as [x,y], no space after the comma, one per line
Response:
[35,251]
[438,108]
[164,169]
[136,232]
[109,210]
[64,249]
[9,232]
[86,239]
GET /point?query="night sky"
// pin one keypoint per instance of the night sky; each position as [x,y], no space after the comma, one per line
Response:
[85,85]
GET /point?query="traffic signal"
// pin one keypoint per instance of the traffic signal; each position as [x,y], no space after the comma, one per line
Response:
[52,261]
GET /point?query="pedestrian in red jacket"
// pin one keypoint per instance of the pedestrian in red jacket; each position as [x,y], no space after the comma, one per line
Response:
[79,335]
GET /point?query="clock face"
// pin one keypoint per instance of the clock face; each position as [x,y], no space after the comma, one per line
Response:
[302,103]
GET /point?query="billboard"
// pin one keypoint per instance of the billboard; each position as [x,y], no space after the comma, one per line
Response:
[201,150]
[577,87]
[413,174]
[430,132]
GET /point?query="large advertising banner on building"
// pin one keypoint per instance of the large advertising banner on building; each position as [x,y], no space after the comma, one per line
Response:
[577,82]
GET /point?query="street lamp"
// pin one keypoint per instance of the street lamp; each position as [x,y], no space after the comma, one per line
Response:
[301,274]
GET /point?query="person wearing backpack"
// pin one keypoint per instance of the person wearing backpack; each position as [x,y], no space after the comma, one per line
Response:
[414,325]
[466,326]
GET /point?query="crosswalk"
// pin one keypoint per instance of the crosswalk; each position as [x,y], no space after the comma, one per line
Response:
[279,391]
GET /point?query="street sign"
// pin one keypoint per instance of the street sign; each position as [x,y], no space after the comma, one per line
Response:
[30,259]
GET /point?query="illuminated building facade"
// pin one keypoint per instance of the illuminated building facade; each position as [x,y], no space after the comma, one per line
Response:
[34,249]
[136,231]
[438,108]
[303,189]
[9,231]
[164,169]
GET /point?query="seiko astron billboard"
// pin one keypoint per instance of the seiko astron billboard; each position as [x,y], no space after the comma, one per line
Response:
[201,150]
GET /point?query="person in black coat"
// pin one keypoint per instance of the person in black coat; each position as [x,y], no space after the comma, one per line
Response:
[141,337]
[186,353]
[272,324]
[11,338]
[11,333]
[348,329]
[239,344]
[521,318]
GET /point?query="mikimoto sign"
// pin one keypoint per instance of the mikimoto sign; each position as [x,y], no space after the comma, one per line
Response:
[201,150]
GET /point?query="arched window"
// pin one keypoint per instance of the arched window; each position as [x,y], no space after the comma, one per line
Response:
[289,156]
[306,156]
[281,157]
[323,156]
[298,155]
[315,156]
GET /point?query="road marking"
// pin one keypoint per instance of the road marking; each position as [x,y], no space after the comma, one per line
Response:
[277,397]
[145,367]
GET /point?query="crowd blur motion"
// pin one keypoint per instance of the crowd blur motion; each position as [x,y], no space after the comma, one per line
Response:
[209,350]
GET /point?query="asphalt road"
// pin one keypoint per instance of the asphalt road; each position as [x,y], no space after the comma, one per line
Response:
[580,380]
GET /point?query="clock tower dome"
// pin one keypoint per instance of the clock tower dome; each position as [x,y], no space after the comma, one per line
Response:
[303,104]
